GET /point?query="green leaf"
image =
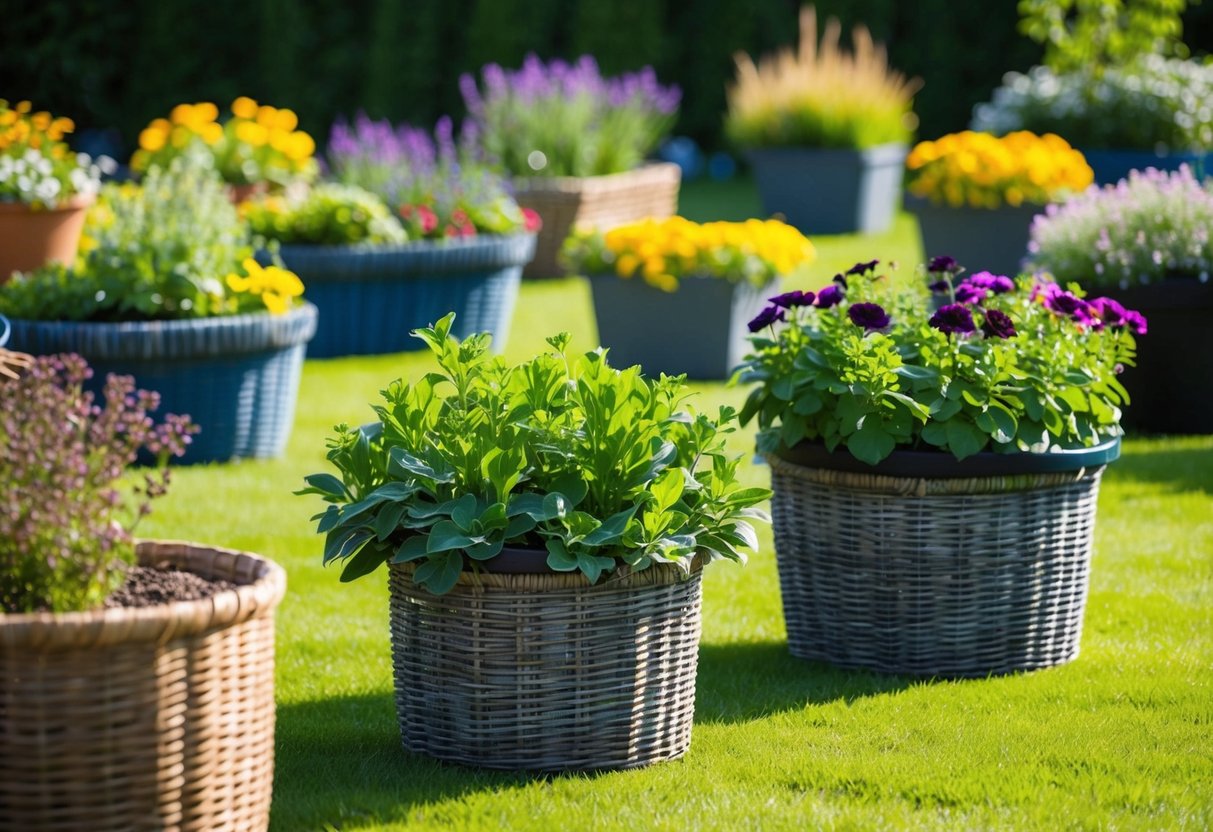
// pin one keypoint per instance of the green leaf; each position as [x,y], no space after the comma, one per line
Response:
[667,489]
[611,529]
[413,548]
[555,506]
[402,459]
[593,566]
[917,408]
[559,558]
[326,485]
[328,520]
[366,561]
[964,439]
[871,443]
[999,423]
[446,536]
[440,574]
[343,543]
[807,403]
[387,520]
[915,373]
[486,550]
[465,511]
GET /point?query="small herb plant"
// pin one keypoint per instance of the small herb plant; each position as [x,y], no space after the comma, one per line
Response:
[329,214]
[170,248]
[1149,227]
[36,166]
[66,516]
[599,468]
[820,95]
[990,362]
[661,251]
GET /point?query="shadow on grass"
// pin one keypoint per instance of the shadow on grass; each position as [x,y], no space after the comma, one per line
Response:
[744,682]
[1179,469]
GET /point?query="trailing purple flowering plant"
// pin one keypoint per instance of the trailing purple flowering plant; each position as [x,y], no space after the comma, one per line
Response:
[562,119]
[66,511]
[983,362]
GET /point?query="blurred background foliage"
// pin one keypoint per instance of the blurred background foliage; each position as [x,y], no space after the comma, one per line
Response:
[119,64]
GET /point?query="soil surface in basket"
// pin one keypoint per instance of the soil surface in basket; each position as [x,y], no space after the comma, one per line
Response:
[147,587]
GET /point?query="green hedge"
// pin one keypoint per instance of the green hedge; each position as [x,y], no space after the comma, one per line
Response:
[121,64]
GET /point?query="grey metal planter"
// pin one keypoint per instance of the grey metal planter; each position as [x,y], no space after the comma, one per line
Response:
[823,191]
[1111,166]
[371,297]
[981,239]
[699,330]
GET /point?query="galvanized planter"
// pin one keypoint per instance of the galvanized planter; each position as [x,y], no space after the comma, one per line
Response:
[981,239]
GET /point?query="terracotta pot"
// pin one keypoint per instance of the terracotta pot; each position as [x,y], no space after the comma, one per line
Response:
[30,238]
[249,190]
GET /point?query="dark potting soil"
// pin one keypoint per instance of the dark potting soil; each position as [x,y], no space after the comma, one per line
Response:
[147,587]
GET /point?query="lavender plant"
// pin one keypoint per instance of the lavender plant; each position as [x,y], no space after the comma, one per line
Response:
[66,517]
[1151,226]
[439,186]
[562,119]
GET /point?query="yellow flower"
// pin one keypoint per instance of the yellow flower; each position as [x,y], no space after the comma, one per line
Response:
[267,116]
[250,132]
[244,107]
[286,120]
[151,139]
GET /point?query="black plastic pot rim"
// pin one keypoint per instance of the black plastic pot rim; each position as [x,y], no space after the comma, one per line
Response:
[937,464]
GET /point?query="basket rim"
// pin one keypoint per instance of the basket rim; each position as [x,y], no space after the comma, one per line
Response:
[651,171]
[548,580]
[417,259]
[46,631]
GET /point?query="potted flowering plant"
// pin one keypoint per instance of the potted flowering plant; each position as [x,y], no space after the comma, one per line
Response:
[975,194]
[462,249]
[257,147]
[675,296]
[119,658]
[1145,241]
[545,525]
[821,121]
[935,466]
[575,144]
[167,290]
[44,189]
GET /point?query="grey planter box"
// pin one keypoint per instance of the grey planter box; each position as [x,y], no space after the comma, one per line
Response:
[981,239]
[830,191]
[699,330]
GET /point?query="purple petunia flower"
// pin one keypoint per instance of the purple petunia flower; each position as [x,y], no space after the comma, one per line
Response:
[1109,311]
[767,317]
[940,287]
[863,268]
[793,299]
[870,316]
[1136,322]
[830,296]
[999,284]
[953,318]
[840,279]
[970,293]
[943,263]
[998,325]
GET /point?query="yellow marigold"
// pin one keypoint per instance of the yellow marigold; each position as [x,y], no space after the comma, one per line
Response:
[286,120]
[244,107]
[250,132]
[267,116]
[152,139]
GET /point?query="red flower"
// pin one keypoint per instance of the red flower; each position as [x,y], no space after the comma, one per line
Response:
[427,219]
[533,221]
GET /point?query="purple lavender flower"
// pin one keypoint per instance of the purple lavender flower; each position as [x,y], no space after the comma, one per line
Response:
[999,284]
[793,299]
[998,325]
[863,268]
[767,317]
[953,318]
[870,316]
[943,263]
[968,292]
[831,295]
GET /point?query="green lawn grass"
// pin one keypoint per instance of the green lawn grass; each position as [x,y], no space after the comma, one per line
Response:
[1120,739]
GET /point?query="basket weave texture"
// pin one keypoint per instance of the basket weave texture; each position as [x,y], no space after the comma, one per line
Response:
[237,376]
[563,202]
[938,577]
[547,672]
[152,718]
[372,297]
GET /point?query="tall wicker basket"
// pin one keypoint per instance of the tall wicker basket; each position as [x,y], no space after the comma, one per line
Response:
[546,672]
[154,718]
[563,202]
[935,575]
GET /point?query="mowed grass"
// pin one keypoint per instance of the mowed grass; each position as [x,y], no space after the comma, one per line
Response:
[1122,738]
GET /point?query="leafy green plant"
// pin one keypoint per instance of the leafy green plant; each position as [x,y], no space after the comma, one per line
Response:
[1086,34]
[992,363]
[328,214]
[599,467]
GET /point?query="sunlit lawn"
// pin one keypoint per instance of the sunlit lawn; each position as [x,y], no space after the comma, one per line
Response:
[1121,738]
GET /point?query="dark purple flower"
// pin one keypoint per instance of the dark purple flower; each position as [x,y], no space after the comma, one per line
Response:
[1135,321]
[999,284]
[793,299]
[998,325]
[1109,311]
[868,315]
[943,263]
[863,268]
[940,287]
[767,317]
[953,318]
[1071,306]
[968,292]
[830,296]
[841,280]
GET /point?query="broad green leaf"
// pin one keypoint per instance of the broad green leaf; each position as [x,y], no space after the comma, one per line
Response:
[559,558]
[486,550]
[611,529]
[325,485]
[413,548]
[964,439]
[446,536]
[667,488]
[365,561]
[593,566]
[344,542]
[871,443]
[388,519]
[465,511]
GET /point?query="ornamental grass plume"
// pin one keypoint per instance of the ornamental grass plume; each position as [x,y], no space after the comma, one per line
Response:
[819,95]
[1148,227]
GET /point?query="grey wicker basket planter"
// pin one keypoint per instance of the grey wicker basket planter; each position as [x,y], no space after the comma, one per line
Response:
[968,572]
[563,202]
[153,718]
[699,330]
[236,376]
[545,672]
[371,297]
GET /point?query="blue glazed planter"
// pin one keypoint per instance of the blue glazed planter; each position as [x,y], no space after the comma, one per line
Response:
[371,297]
[1111,166]
[823,191]
[700,329]
[237,376]
[981,239]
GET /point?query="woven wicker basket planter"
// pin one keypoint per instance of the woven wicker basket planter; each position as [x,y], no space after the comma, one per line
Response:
[599,201]
[371,297]
[236,376]
[970,570]
[546,672]
[153,718]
